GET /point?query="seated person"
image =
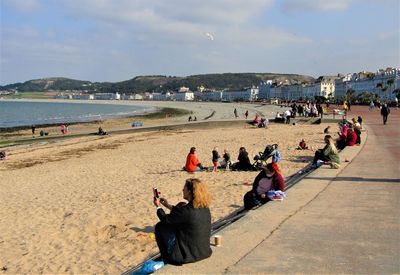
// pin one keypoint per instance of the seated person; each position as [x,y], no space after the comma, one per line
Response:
[268,179]
[256,120]
[351,137]
[263,123]
[279,118]
[357,130]
[226,160]
[101,132]
[43,133]
[302,145]
[341,142]
[192,163]
[328,154]
[359,120]
[243,163]
[326,130]
[2,155]
[183,235]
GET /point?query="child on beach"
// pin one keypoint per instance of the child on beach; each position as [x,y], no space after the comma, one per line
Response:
[215,157]
[226,161]
[302,145]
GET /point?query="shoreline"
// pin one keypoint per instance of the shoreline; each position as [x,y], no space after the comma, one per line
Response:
[157,113]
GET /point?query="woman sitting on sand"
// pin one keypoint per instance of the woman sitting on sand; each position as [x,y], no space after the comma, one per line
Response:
[268,179]
[192,163]
[328,154]
[226,160]
[243,163]
[183,236]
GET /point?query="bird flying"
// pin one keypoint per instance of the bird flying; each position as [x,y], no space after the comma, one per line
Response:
[210,36]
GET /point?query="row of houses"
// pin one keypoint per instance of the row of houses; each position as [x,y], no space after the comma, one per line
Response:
[325,86]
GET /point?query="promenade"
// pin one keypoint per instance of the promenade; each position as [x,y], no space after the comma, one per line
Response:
[332,221]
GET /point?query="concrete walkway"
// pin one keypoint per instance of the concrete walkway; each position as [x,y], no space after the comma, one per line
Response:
[333,221]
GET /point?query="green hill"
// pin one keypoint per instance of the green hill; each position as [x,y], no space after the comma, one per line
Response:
[158,83]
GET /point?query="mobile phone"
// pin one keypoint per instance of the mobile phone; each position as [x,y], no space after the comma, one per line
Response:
[155,192]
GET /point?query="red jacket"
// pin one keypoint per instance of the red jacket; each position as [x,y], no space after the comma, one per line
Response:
[191,162]
[351,138]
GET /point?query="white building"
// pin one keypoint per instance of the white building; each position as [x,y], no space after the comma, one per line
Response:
[264,89]
[209,96]
[183,89]
[184,96]
[83,96]
[360,84]
[162,96]
[107,96]
[249,94]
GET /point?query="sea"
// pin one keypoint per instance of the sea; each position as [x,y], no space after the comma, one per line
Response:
[27,113]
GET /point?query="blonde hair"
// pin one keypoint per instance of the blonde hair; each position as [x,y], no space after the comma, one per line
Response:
[199,190]
[331,142]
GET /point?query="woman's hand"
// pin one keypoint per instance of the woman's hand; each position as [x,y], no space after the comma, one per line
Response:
[156,201]
[165,203]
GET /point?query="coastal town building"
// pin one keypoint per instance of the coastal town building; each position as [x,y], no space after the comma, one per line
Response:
[379,85]
[186,95]
[208,95]
[249,94]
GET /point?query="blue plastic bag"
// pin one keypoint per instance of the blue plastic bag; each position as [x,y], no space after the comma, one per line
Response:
[149,267]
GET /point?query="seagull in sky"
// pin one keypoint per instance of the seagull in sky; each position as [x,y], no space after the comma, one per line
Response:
[209,35]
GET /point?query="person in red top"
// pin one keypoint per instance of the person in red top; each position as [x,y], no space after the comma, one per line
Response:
[192,163]
[268,179]
[351,137]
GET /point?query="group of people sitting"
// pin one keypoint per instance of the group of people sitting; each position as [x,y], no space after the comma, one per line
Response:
[243,163]
[349,135]
[260,122]
[183,235]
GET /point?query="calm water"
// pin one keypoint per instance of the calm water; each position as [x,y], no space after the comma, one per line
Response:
[14,114]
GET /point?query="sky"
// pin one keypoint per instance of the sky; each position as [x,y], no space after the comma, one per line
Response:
[110,41]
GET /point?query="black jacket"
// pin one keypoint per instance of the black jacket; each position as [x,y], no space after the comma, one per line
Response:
[193,231]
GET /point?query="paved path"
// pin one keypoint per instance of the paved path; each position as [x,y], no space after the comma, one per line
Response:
[333,221]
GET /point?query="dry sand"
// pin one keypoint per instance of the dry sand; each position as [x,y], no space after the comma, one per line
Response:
[85,205]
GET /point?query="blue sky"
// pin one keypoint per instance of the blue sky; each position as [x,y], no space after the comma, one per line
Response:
[109,40]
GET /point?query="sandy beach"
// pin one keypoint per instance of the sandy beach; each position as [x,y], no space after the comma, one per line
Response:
[84,205]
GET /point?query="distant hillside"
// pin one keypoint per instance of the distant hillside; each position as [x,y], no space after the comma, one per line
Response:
[160,83]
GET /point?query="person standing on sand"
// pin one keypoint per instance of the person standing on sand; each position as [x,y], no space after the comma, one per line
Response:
[215,157]
[246,114]
[235,113]
[33,130]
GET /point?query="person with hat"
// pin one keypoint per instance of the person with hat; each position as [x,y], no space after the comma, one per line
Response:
[267,180]
[192,163]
